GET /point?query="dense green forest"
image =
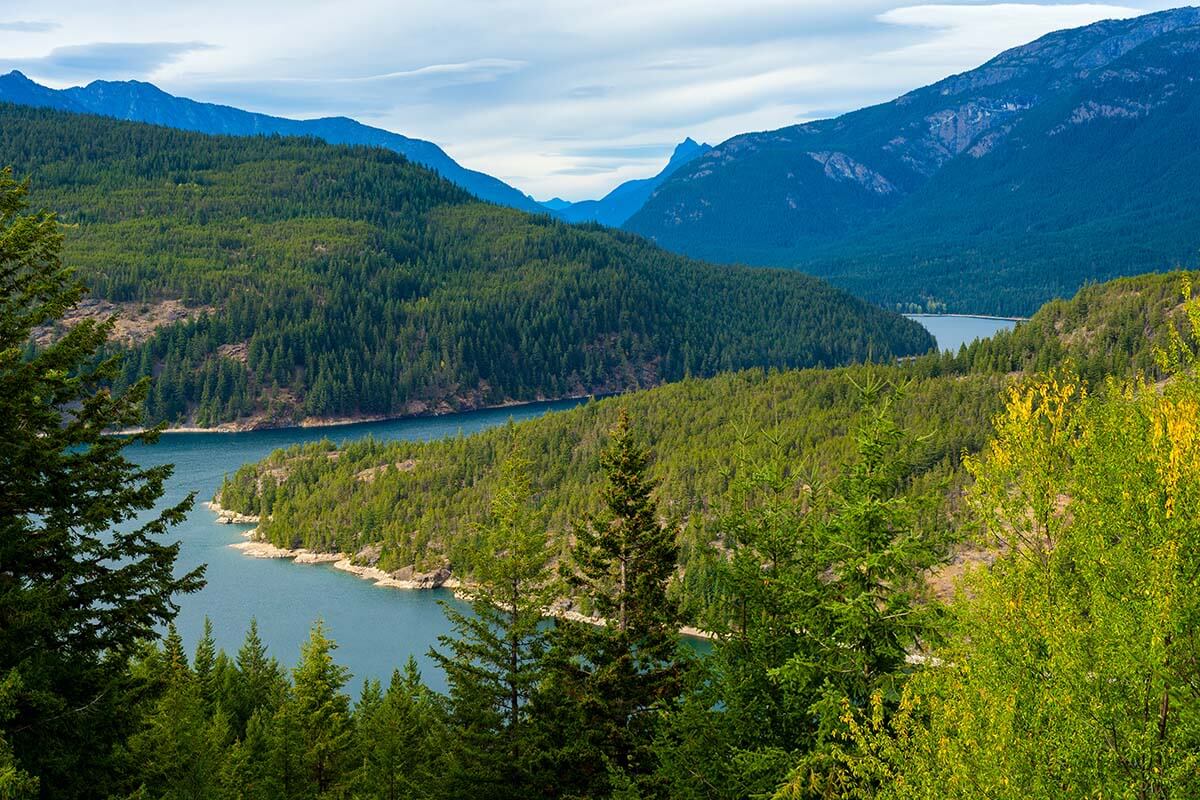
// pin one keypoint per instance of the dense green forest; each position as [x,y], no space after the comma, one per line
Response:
[421,500]
[1067,667]
[323,281]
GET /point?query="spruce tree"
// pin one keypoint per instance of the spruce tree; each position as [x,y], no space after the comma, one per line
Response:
[618,677]
[402,738]
[181,748]
[260,683]
[82,584]
[318,713]
[494,660]
[204,664]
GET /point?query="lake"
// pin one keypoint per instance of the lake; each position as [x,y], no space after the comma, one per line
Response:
[952,331]
[376,629]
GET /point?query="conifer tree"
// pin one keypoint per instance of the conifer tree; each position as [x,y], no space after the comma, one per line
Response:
[318,713]
[180,751]
[618,678]
[82,585]
[402,738]
[493,662]
[204,664]
[260,684]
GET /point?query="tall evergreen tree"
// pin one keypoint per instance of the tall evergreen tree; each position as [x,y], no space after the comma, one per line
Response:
[180,751]
[402,738]
[205,665]
[260,684]
[494,660]
[737,729]
[318,714]
[82,585]
[618,677]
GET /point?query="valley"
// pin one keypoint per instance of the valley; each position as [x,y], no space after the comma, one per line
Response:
[854,459]
[332,282]
[242,587]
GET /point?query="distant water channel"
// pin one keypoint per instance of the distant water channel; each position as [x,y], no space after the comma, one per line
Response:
[952,331]
[376,629]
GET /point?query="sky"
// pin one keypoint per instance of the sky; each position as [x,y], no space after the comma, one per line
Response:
[557,97]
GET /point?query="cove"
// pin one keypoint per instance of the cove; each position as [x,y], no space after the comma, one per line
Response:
[376,629]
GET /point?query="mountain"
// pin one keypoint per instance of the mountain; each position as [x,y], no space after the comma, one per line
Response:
[622,202]
[137,101]
[269,280]
[1068,160]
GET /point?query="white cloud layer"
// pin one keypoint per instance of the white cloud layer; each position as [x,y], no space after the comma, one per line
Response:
[558,97]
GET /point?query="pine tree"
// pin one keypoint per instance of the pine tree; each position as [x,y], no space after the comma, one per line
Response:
[250,769]
[320,713]
[260,682]
[736,730]
[204,664]
[180,751]
[617,678]
[82,586]
[402,739]
[493,662]
[856,590]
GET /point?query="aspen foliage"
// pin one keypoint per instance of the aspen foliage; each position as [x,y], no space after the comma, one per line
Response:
[1073,664]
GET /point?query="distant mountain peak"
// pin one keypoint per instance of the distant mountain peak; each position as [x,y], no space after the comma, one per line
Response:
[684,152]
[623,202]
[1021,165]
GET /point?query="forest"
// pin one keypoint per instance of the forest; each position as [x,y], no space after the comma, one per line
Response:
[322,281]
[416,503]
[1062,665]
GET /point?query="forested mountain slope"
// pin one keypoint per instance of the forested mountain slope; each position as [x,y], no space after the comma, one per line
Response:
[302,280]
[419,502]
[138,101]
[1060,162]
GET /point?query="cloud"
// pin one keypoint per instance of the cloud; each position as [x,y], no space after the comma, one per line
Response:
[620,151]
[105,59]
[675,65]
[588,91]
[27,26]
[566,97]
[959,31]
[479,70]
[583,170]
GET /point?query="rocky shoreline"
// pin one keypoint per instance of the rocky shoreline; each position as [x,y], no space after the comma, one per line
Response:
[441,578]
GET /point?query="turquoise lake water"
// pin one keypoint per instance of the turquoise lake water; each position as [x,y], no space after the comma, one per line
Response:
[376,629]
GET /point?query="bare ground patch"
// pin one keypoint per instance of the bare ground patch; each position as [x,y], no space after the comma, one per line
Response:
[135,321]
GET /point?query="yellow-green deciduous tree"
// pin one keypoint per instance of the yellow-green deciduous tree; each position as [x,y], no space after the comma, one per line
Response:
[1074,665]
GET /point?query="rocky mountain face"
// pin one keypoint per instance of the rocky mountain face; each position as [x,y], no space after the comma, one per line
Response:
[137,101]
[624,201]
[821,195]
